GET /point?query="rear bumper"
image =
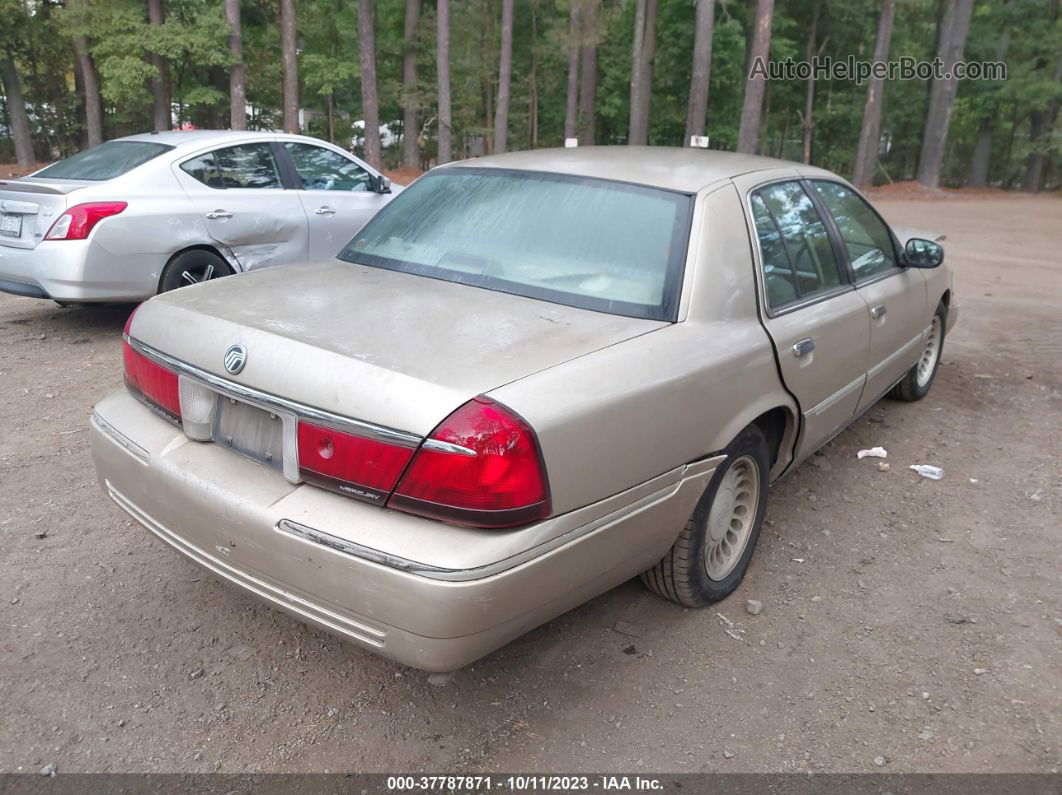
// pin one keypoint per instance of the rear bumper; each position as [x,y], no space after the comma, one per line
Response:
[420,592]
[67,270]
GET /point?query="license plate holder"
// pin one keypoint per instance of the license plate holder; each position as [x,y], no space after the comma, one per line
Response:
[251,431]
[10,224]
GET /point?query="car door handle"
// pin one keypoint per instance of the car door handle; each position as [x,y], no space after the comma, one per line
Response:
[878,311]
[217,214]
[325,211]
[803,348]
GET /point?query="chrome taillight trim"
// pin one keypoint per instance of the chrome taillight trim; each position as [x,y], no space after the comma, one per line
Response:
[281,405]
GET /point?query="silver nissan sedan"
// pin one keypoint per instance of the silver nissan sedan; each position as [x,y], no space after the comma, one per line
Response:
[529,378]
[149,213]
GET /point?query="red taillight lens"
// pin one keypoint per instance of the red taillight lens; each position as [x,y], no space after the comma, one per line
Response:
[79,220]
[354,465]
[487,471]
[149,380]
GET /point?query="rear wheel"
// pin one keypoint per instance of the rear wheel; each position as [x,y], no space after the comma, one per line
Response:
[193,267]
[713,551]
[915,385]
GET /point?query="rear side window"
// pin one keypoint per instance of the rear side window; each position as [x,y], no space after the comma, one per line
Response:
[105,161]
[788,223]
[244,166]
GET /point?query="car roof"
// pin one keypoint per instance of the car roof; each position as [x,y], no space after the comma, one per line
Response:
[183,138]
[672,168]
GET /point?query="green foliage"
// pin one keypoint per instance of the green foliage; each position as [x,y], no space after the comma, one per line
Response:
[194,40]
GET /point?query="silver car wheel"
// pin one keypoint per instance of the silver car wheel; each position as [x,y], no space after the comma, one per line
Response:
[928,363]
[731,518]
[196,275]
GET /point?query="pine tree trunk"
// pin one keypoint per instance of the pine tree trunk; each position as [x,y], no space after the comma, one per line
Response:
[954,27]
[370,101]
[532,85]
[866,159]
[642,55]
[982,154]
[704,22]
[16,114]
[1040,123]
[290,61]
[749,132]
[91,82]
[160,82]
[587,88]
[809,93]
[410,120]
[505,76]
[442,33]
[574,37]
[237,72]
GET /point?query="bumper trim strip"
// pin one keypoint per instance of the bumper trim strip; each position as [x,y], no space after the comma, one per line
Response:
[310,611]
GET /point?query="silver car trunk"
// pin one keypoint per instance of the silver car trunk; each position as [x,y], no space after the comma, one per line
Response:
[390,348]
[29,207]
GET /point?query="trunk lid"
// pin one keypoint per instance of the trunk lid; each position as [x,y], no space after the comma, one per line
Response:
[390,348]
[29,207]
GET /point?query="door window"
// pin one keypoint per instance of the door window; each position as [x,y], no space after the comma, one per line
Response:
[798,260]
[323,169]
[865,235]
[244,166]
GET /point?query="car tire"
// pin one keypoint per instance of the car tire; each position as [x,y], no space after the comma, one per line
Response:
[915,385]
[700,568]
[193,267]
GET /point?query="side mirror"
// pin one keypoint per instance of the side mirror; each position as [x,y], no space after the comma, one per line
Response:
[919,253]
[383,184]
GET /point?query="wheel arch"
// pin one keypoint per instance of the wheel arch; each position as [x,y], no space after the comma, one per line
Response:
[776,416]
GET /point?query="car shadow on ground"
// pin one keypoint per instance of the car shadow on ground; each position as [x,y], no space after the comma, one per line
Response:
[74,320]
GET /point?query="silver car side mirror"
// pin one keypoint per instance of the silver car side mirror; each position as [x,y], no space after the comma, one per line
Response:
[921,253]
[383,184]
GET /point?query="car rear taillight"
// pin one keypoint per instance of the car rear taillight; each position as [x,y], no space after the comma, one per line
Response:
[149,380]
[354,465]
[481,467]
[79,220]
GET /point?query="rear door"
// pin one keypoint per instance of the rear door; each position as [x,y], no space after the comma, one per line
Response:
[337,193]
[818,323]
[895,297]
[245,204]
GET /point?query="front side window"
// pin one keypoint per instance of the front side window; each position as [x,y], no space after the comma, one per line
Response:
[323,169]
[788,224]
[865,235]
[106,161]
[244,166]
[590,243]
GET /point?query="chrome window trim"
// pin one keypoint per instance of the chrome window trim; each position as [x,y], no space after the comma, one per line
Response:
[350,425]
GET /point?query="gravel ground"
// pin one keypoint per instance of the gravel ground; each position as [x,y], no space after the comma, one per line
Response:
[907,624]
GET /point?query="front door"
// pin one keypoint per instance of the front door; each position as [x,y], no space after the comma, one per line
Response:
[818,323]
[895,297]
[337,193]
[241,199]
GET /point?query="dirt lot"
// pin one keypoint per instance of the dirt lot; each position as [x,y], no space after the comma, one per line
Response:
[907,619]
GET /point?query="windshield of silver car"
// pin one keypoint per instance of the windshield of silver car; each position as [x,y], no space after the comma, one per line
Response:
[591,243]
[106,161]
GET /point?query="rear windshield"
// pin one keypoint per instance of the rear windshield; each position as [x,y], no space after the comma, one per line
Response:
[590,243]
[105,161]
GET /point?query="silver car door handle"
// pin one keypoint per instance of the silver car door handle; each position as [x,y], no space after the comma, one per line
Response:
[216,214]
[878,311]
[803,347]
[325,211]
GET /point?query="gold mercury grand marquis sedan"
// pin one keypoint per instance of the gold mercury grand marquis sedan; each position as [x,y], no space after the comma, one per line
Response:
[527,379]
